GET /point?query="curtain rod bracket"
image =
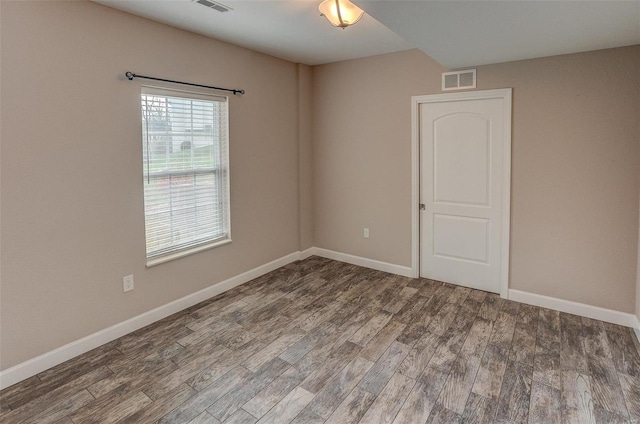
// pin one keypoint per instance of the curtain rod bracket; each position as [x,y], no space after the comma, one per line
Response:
[130,76]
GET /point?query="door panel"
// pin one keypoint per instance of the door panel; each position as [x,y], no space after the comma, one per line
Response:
[461,185]
[461,142]
[460,237]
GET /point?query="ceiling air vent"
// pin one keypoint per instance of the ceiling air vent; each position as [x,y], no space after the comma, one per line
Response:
[213,5]
[459,80]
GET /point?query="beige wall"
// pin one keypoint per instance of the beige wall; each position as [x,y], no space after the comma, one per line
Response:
[72,213]
[638,283]
[576,126]
[638,267]
[574,222]
[305,157]
[362,152]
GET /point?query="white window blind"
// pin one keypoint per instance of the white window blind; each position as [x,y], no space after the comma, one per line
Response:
[186,172]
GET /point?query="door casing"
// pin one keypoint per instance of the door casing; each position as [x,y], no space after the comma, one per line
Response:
[416,101]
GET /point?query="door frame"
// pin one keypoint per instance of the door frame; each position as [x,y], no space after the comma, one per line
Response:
[416,101]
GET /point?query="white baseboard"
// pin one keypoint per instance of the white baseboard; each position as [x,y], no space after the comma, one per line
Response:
[365,262]
[57,356]
[306,253]
[589,311]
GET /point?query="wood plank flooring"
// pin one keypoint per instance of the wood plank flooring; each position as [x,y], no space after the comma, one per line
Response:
[320,341]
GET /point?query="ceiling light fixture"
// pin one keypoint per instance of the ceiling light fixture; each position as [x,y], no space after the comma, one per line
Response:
[341,13]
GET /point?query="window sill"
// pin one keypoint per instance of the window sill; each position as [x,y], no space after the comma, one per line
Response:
[171,256]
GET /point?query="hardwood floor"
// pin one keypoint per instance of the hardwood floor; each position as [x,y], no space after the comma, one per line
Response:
[320,341]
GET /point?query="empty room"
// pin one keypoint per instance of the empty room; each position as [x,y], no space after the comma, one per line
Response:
[308,211]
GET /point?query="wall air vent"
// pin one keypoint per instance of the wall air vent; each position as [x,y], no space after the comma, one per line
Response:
[459,80]
[214,5]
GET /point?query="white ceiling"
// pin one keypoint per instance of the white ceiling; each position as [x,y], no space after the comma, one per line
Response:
[288,29]
[455,33]
[467,33]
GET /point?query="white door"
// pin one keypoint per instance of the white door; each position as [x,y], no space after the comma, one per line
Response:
[464,158]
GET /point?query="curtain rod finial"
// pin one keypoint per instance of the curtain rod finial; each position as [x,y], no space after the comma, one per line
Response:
[129,75]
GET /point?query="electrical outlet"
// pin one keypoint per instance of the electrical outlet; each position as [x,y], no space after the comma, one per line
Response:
[127,283]
[366,233]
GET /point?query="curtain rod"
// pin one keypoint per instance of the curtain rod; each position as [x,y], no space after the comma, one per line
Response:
[131,75]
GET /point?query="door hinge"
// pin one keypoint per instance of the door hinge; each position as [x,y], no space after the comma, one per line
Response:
[422,207]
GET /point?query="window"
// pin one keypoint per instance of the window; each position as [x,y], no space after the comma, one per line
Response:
[186,172]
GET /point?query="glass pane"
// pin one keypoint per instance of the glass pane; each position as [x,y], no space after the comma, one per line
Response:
[184,148]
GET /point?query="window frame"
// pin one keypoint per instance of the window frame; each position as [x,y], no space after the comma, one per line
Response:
[179,252]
